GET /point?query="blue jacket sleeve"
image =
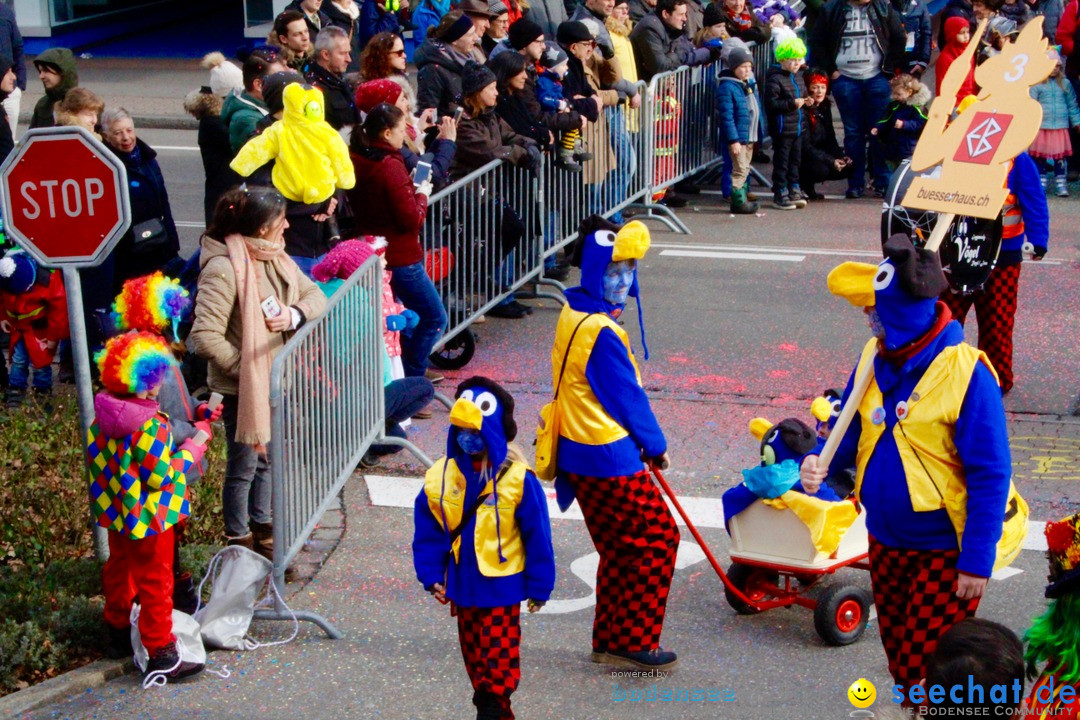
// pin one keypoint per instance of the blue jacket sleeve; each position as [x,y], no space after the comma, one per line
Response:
[725,108]
[532,518]
[849,444]
[611,376]
[982,442]
[1074,108]
[441,154]
[431,551]
[1024,183]
[548,93]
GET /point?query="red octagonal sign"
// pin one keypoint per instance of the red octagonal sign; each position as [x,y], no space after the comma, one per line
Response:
[64,197]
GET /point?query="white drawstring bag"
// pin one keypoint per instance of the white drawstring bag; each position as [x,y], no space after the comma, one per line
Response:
[189,645]
[240,577]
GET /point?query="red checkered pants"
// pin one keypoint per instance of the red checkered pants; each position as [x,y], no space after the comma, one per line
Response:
[915,594]
[637,539]
[490,640]
[142,568]
[995,311]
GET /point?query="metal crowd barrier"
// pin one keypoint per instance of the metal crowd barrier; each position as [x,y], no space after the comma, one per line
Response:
[327,407]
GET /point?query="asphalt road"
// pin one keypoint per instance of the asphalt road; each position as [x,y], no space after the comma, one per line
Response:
[740,324]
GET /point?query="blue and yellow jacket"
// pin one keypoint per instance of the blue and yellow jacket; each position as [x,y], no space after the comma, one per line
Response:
[1026,214]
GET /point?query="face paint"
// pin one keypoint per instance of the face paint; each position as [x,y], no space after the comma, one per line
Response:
[618,278]
[874,321]
[471,442]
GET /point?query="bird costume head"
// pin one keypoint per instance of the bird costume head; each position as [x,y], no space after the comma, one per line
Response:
[788,439]
[484,411]
[826,408]
[903,289]
[134,362]
[152,303]
[600,243]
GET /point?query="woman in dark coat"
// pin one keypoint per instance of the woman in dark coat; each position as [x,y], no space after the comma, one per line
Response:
[822,158]
[157,245]
[214,147]
[386,203]
[510,79]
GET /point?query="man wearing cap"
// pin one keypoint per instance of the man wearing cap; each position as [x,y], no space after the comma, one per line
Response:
[500,25]
[931,453]
[481,15]
[56,69]
[660,41]
[440,62]
[332,58]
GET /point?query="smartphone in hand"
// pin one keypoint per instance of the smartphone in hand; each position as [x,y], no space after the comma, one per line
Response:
[422,174]
[270,307]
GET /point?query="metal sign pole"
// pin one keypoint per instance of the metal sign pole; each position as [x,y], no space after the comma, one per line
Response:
[80,355]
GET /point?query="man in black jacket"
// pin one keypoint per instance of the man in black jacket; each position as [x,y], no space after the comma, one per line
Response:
[860,44]
[332,57]
[660,42]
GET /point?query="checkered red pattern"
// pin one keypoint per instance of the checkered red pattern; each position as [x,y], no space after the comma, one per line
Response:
[490,640]
[995,311]
[914,591]
[637,539]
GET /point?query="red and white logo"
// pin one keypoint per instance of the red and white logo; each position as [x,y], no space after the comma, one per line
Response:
[983,138]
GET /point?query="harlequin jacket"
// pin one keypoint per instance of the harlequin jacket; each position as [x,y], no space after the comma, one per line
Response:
[138,480]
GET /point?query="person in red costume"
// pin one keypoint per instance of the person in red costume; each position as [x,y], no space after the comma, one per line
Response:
[33,309]
[957,37]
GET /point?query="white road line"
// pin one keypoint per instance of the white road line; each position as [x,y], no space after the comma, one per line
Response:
[185,224]
[704,512]
[758,249]
[721,254]
[176,148]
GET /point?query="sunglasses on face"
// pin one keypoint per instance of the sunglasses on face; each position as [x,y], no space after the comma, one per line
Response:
[399,53]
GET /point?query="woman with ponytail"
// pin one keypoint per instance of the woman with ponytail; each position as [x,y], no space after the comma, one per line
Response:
[243,264]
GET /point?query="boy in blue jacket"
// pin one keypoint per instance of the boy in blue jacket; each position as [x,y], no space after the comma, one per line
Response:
[738,119]
[483,540]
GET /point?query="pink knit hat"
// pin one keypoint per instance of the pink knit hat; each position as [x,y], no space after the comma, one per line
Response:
[341,262]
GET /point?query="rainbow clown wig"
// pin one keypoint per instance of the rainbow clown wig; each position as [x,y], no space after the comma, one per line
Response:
[152,303]
[134,362]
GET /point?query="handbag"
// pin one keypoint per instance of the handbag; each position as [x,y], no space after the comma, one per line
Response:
[547,433]
[149,236]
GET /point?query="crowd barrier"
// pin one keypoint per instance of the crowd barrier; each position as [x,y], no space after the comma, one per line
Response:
[327,407]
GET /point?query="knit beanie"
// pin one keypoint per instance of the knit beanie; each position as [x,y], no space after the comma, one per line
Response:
[224,75]
[553,56]
[713,15]
[273,90]
[18,271]
[523,32]
[738,56]
[343,260]
[457,31]
[474,78]
[791,49]
[375,92]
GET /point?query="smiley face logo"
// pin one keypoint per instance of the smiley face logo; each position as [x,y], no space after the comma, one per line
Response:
[862,693]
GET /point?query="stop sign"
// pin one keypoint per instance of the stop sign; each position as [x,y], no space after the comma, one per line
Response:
[64,197]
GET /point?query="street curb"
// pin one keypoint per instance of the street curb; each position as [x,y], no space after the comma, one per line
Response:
[151,122]
[64,686]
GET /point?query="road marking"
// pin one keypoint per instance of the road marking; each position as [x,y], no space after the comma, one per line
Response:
[724,254]
[704,512]
[176,148]
[759,250]
[186,224]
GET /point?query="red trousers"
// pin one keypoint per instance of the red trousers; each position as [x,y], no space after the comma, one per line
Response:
[490,641]
[995,311]
[637,539]
[141,569]
[915,594]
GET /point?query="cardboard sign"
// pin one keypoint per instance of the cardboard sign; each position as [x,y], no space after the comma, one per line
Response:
[976,148]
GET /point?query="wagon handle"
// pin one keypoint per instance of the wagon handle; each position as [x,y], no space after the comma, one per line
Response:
[701,542]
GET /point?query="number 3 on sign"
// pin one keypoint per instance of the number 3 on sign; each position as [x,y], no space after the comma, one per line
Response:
[1019,63]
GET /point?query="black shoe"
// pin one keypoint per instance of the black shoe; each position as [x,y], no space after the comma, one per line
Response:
[522,307]
[880,194]
[369,461]
[813,194]
[166,663]
[783,202]
[687,188]
[184,597]
[672,200]
[760,156]
[507,311]
[656,659]
[853,194]
[14,397]
[118,642]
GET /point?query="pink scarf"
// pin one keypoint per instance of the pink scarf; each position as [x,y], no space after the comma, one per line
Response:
[247,256]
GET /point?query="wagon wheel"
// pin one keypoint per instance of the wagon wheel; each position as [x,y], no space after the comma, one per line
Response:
[752,582]
[456,352]
[842,613]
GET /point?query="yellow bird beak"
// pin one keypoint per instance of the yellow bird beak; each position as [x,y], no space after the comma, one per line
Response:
[821,409]
[758,428]
[466,415]
[854,282]
[632,242]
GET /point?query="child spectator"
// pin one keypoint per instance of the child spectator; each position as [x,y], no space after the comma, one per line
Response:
[899,128]
[33,311]
[549,91]
[138,492]
[919,42]
[957,36]
[823,159]
[1059,112]
[739,115]
[981,654]
[160,305]
[482,540]
[999,27]
[784,99]
[713,32]
[1053,637]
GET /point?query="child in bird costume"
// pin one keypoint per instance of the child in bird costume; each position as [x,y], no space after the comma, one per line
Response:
[138,492]
[312,159]
[483,540]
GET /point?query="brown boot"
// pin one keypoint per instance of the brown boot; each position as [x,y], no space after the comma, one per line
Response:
[263,539]
[247,541]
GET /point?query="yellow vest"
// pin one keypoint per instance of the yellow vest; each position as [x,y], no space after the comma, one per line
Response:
[485,536]
[924,437]
[583,418]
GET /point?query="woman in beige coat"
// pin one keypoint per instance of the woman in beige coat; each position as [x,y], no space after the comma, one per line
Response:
[238,330]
